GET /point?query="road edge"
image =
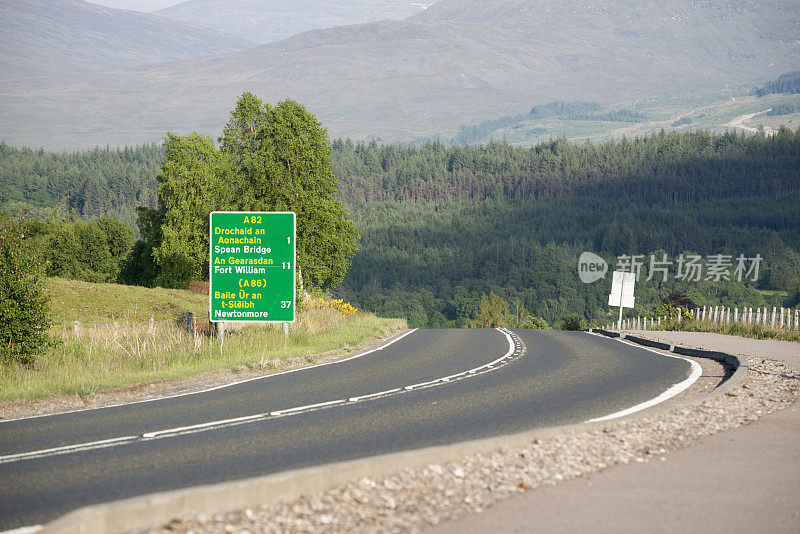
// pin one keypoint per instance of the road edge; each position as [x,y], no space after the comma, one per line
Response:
[154,510]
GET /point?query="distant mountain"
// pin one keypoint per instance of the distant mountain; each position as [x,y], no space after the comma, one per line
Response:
[272,20]
[137,5]
[458,62]
[59,36]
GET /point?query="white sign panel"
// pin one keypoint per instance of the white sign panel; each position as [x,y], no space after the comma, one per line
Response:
[622,285]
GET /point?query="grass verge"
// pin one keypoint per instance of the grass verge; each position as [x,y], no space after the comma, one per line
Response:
[755,331]
[121,347]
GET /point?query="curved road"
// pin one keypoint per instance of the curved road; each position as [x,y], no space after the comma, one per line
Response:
[518,381]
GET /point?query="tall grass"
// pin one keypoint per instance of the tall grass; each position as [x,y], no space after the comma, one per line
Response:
[755,331]
[127,352]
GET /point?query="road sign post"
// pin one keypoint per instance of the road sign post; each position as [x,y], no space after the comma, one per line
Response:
[252,266]
[622,285]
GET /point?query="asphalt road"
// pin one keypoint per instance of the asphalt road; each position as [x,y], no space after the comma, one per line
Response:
[548,378]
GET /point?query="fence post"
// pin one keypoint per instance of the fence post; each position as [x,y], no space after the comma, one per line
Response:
[76,329]
[151,327]
[285,328]
[773,317]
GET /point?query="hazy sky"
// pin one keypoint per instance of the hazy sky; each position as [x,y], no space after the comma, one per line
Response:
[137,5]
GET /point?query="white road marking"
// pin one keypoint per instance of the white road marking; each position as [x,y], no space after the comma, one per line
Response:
[67,448]
[190,429]
[359,355]
[673,390]
[33,529]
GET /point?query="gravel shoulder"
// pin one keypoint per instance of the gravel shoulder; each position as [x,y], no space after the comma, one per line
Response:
[563,482]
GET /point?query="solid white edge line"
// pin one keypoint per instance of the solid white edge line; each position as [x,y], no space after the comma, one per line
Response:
[186,394]
[673,390]
[288,411]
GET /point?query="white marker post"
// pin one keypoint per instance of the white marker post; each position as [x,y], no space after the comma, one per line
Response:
[622,292]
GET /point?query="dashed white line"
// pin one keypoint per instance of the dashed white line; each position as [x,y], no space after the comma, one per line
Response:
[177,431]
[67,448]
[231,384]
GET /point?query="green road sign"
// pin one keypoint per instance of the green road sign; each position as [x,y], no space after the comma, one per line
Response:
[252,265]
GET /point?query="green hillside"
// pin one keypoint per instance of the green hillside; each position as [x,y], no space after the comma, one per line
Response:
[116,346]
[442,225]
[739,110]
[75,300]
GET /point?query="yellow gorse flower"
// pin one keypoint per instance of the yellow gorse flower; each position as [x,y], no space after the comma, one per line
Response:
[338,304]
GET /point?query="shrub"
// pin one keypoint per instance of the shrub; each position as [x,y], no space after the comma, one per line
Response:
[536,323]
[24,305]
[573,322]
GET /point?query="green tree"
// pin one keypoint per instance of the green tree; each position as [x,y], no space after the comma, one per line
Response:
[535,323]
[190,186]
[139,267]
[119,237]
[282,162]
[24,305]
[493,312]
[63,250]
[97,264]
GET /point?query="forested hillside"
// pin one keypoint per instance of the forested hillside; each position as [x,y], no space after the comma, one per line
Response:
[443,225]
[680,168]
[89,184]
[786,83]
[587,111]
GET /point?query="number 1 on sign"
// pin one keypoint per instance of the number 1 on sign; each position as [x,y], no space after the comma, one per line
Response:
[289,240]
